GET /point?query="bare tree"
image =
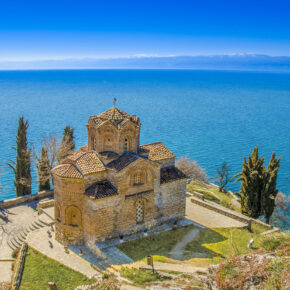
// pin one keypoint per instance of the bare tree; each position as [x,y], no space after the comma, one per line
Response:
[223,176]
[191,169]
[51,143]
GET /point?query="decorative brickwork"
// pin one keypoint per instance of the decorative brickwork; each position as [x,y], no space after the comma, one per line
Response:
[113,187]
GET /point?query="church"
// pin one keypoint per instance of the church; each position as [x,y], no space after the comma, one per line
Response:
[113,186]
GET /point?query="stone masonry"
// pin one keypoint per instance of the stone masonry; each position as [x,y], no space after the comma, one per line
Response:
[113,186]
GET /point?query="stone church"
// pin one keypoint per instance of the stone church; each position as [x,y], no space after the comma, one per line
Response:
[113,186]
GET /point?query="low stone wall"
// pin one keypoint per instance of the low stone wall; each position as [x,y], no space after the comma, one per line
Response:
[46,203]
[17,275]
[26,198]
[197,195]
[227,212]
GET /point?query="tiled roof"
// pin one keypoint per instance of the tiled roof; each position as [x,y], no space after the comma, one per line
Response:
[85,162]
[123,161]
[156,151]
[73,157]
[115,115]
[101,189]
[109,154]
[168,174]
[67,170]
[89,163]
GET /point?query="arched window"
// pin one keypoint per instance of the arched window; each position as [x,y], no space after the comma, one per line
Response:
[138,178]
[73,216]
[139,211]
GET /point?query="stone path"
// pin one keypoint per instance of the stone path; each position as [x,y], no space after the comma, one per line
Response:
[209,218]
[177,252]
[39,240]
[90,257]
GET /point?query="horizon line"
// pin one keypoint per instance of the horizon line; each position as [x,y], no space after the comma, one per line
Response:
[134,56]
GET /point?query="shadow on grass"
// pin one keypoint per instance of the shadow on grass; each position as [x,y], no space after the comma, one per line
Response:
[161,244]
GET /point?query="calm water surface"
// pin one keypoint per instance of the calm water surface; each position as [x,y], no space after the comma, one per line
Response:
[210,116]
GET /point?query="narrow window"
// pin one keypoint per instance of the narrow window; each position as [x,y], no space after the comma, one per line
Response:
[93,143]
[139,211]
[126,145]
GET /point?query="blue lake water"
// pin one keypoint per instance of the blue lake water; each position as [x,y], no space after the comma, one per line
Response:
[210,116]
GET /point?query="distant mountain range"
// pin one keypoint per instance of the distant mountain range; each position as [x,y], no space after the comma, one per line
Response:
[215,62]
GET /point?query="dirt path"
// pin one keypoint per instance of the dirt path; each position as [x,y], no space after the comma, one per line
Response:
[177,252]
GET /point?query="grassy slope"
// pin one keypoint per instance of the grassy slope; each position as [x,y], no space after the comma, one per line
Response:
[39,270]
[212,193]
[219,242]
[270,272]
[139,276]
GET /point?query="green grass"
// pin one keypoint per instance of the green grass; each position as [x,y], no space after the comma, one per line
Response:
[212,193]
[273,241]
[39,270]
[159,244]
[235,243]
[139,276]
[215,244]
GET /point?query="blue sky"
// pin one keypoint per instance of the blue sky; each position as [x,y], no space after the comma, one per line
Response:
[64,29]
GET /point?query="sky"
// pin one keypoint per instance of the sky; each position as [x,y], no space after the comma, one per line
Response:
[32,30]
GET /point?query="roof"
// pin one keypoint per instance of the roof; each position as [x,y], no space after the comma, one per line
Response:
[101,189]
[84,162]
[168,174]
[123,161]
[156,151]
[109,154]
[89,163]
[115,115]
[67,170]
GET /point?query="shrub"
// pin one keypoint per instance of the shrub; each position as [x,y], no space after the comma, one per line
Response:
[141,276]
[15,253]
[276,240]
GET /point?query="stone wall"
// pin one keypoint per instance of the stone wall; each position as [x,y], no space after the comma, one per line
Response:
[68,195]
[172,199]
[227,212]
[26,198]
[110,138]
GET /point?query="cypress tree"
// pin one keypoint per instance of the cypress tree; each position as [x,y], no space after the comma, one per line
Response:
[67,145]
[21,167]
[43,171]
[251,179]
[258,185]
[269,192]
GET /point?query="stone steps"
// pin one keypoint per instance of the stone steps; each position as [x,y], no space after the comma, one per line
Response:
[15,240]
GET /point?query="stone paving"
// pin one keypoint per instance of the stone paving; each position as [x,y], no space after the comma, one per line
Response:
[209,218]
[21,220]
[39,240]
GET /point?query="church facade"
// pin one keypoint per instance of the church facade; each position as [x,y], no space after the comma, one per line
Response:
[114,186]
